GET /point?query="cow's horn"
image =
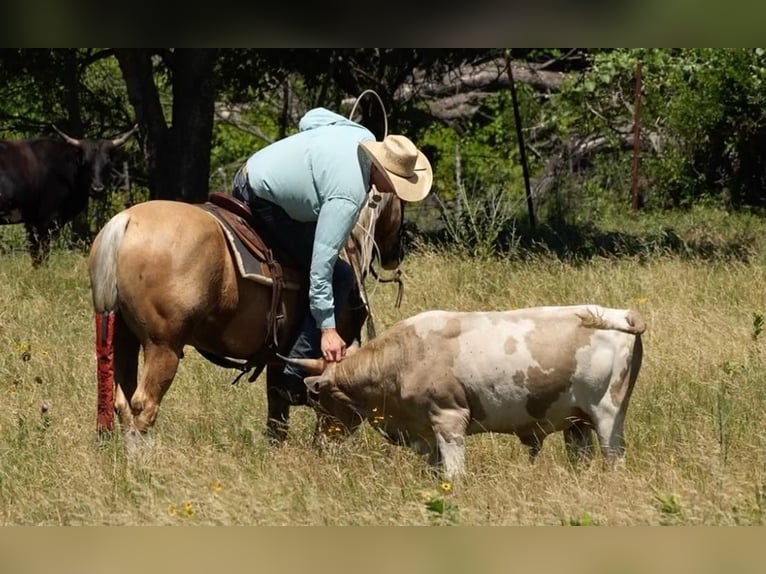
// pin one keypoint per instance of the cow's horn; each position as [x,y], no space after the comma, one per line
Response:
[311,366]
[69,139]
[118,141]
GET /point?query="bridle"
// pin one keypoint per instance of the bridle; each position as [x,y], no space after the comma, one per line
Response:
[396,276]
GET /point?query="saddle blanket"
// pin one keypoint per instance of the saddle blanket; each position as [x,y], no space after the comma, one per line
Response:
[248,264]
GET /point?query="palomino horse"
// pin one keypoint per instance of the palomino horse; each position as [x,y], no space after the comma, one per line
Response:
[162,277]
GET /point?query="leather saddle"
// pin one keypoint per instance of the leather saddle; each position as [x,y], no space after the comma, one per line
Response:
[255,260]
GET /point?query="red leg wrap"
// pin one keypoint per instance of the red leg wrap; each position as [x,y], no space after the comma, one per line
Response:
[105,359]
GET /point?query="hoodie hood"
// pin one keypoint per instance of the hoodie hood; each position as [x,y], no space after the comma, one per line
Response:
[320,117]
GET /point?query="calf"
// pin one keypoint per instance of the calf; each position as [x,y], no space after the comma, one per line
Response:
[434,378]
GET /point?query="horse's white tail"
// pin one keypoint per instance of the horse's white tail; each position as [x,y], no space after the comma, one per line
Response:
[103,284]
[103,273]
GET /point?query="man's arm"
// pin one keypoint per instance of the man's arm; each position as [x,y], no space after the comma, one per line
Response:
[336,219]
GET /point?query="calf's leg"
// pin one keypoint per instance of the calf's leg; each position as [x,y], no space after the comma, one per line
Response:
[534,444]
[578,439]
[449,428]
[609,428]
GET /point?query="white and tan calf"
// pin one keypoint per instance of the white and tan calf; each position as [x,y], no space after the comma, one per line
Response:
[438,376]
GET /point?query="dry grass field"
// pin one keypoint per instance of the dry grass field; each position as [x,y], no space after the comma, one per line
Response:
[695,429]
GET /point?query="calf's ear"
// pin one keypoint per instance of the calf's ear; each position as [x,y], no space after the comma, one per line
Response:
[314,384]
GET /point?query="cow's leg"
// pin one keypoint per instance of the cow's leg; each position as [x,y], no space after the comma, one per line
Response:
[449,428]
[126,347]
[160,366]
[578,439]
[39,244]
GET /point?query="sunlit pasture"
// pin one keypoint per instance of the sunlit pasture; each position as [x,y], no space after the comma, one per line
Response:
[694,430]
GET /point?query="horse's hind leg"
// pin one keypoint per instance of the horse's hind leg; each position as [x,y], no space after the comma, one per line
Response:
[160,366]
[126,347]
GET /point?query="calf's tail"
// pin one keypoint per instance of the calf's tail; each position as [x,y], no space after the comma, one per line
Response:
[629,321]
[103,280]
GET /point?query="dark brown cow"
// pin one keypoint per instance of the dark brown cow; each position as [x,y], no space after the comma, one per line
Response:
[46,183]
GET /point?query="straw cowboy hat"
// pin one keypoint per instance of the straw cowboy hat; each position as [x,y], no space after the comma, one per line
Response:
[405,167]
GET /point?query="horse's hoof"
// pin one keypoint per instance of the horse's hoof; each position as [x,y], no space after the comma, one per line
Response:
[136,442]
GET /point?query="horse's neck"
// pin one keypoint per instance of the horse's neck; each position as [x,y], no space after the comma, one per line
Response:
[378,221]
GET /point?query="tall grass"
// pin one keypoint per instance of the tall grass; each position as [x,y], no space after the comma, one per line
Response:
[695,427]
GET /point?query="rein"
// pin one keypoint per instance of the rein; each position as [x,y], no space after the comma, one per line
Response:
[368,261]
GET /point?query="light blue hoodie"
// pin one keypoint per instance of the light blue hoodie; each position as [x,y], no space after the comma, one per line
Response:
[318,174]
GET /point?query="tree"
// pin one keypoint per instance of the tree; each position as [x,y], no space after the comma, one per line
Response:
[177,150]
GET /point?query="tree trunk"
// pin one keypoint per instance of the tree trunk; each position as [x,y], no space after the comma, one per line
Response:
[80,226]
[136,67]
[194,92]
[178,157]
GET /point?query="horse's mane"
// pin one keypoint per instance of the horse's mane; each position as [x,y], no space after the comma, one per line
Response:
[363,233]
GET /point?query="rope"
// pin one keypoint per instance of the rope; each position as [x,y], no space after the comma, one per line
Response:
[382,108]
[369,248]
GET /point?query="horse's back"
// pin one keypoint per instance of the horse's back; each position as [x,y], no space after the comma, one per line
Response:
[172,265]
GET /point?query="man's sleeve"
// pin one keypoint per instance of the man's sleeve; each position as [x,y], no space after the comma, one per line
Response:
[336,219]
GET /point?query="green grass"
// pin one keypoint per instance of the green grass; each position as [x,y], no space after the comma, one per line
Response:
[695,429]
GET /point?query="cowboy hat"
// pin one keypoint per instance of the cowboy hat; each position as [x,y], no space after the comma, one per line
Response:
[404,166]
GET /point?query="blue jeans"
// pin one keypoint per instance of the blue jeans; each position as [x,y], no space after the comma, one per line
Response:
[293,243]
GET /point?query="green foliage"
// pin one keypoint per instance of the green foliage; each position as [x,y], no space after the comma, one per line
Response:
[478,178]
[583,519]
[717,117]
[758,323]
[441,509]
[669,506]
[702,121]
[706,107]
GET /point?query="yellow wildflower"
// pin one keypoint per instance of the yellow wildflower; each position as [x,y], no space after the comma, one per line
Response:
[216,486]
[426,495]
[172,510]
[446,486]
[188,509]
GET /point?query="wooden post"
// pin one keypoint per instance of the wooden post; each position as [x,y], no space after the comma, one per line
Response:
[634,190]
[520,138]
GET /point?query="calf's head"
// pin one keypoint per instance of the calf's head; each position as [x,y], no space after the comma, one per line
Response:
[335,410]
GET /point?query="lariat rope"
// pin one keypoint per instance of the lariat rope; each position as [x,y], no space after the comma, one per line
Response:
[370,249]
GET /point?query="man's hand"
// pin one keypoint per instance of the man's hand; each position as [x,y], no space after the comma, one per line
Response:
[333,346]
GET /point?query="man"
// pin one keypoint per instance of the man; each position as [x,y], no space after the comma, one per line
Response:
[306,192]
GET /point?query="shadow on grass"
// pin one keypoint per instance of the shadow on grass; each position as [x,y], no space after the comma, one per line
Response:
[581,242]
